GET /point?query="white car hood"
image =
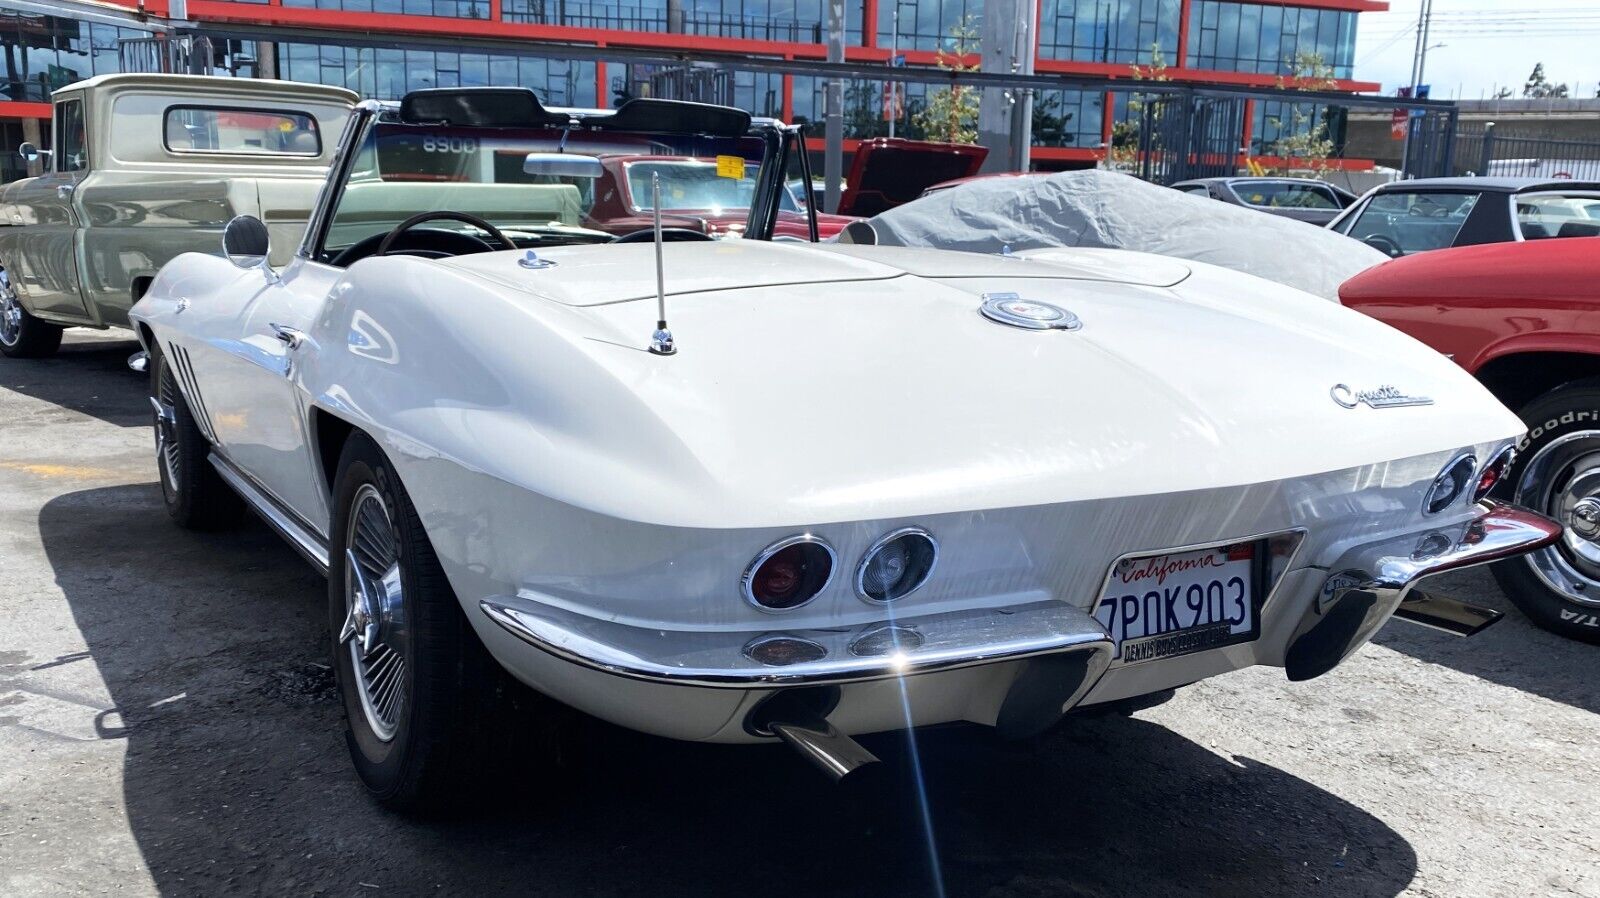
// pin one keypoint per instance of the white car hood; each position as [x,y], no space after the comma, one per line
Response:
[872,392]
[598,275]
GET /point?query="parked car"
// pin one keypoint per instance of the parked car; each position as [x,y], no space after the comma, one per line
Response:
[694,195]
[1302,199]
[1405,217]
[746,490]
[82,241]
[890,171]
[1520,317]
[1037,210]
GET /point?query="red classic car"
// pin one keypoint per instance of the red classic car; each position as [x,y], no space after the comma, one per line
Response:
[694,196]
[1524,318]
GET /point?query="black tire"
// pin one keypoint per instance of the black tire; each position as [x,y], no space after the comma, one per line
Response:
[1550,586]
[454,709]
[194,493]
[23,336]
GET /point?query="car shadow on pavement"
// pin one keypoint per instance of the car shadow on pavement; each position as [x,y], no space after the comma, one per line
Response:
[1512,652]
[88,375]
[236,778]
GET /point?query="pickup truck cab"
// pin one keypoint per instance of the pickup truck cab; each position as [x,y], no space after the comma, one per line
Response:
[144,167]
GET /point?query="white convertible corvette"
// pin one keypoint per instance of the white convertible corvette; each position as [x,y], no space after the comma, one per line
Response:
[740,489]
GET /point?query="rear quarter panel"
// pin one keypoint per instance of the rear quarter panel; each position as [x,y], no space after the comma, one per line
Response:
[1479,303]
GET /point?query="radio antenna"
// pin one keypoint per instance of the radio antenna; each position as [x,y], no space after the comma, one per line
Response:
[661,340]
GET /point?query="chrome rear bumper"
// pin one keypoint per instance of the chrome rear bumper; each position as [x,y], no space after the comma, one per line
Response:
[876,651]
[1370,582]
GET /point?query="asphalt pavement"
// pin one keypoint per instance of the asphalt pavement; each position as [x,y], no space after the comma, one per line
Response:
[168,725]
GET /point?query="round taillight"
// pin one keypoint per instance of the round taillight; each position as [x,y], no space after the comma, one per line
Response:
[788,573]
[1451,483]
[1493,473]
[896,565]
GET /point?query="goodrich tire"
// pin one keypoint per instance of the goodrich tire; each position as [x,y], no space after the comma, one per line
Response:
[1557,472]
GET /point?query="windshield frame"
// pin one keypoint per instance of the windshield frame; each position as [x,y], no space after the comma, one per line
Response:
[776,138]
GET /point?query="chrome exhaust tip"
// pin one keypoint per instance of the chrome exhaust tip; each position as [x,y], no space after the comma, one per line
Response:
[834,753]
[1446,615]
[799,717]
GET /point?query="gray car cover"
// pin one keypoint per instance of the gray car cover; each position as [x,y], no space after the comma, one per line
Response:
[1106,209]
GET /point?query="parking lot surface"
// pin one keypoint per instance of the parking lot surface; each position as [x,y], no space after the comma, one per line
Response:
[168,724]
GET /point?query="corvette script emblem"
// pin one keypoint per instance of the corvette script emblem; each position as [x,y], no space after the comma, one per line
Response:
[1381,397]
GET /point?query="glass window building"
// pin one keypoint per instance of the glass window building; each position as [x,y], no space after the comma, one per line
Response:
[1194,40]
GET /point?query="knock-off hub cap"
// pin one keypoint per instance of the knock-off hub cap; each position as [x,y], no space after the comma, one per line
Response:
[374,628]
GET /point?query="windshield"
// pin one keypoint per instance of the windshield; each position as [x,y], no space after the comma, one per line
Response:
[404,169]
[1405,222]
[1282,195]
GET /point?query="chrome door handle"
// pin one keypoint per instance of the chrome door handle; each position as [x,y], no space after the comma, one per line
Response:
[65,190]
[288,336]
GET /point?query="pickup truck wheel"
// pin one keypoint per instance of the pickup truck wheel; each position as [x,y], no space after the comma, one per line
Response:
[23,336]
[194,493]
[1558,473]
[424,702]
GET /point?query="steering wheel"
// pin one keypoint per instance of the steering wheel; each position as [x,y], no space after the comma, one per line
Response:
[419,218]
[429,243]
[1383,245]
[668,235]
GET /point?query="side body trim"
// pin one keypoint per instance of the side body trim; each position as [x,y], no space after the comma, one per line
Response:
[287,523]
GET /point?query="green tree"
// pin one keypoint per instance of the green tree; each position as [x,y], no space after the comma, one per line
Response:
[1303,143]
[950,114]
[1538,87]
[1123,154]
[1049,123]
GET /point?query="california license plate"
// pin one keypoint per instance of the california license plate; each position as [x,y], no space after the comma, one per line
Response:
[1159,606]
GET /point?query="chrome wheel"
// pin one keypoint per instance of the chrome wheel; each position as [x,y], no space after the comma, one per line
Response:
[1563,481]
[165,406]
[10,312]
[374,624]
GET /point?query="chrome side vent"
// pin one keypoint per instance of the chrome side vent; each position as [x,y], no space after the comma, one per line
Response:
[191,389]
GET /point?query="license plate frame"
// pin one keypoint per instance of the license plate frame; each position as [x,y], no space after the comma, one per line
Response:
[1197,637]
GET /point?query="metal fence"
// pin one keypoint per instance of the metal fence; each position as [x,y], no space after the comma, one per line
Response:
[1487,150]
[1184,136]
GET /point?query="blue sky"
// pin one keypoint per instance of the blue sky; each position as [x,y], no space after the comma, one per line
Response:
[1486,43]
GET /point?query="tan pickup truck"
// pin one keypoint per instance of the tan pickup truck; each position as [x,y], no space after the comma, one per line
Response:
[142,168]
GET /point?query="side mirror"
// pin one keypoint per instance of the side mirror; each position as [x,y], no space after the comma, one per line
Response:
[562,165]
[245,242]
[31,153]
[860,232]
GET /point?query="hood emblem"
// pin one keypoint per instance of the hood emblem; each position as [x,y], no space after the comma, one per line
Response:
[1012,309]
[1379,397]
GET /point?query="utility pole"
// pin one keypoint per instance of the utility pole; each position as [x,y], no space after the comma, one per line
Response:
[1419,57]
[833,123]
[1005,115]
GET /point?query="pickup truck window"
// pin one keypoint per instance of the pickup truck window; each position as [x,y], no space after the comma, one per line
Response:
[219,129]
[73,148]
